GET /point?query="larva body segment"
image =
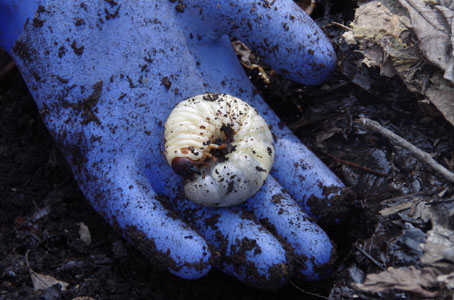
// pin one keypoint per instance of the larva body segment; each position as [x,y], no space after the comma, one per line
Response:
[221,146]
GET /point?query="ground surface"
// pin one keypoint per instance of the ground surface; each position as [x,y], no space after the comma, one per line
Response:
[41,206]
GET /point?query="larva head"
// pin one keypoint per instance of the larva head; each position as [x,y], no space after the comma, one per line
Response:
[185,167]
[221,146]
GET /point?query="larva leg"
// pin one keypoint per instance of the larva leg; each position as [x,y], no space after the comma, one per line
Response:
[217,147]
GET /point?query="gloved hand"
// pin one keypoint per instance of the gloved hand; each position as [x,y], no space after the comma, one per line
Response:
[106,74]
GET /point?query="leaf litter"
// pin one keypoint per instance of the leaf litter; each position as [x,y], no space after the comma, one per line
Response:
[412,39]
[42,282]
[431,276]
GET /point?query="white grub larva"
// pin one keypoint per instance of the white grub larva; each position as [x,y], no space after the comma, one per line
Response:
[221,146]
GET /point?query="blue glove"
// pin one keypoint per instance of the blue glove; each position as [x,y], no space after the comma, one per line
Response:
[105,76]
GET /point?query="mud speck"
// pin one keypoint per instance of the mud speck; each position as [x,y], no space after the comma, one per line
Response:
[77,50]
[165,81]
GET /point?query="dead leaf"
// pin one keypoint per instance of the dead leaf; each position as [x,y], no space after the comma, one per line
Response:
[439,245]
[41,281]
[410,279]
[243,52]
[325,135]
[448,13]
[84,233]
[400,36]
[381,27]
[395,209]
[398,204]
[433,31]
[447,280]
[442,96]
[422,211]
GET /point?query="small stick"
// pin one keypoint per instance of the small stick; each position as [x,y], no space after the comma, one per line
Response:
[306,292]
[424,156]
[8,68]
[355,165]
[376,262]
[341,25]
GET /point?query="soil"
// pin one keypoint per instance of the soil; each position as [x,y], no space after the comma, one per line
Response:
[41,206]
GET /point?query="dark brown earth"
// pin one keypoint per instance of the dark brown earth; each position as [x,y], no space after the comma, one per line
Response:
[41,206]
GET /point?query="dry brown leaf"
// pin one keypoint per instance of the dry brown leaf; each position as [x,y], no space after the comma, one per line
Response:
[422,211]
[395,209]
[41,281]
[243,52]
[442,96]
[383,29]
[379,28]
[433,32]
[447,280]
[448,13]
[439,245]
[410,279]
[433,24]
[325,135]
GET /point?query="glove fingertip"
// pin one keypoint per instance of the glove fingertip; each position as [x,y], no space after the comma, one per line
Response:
[193,270]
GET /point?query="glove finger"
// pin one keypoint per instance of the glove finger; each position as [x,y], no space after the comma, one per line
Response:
[13,15]
[278,31]
[311,247]
[309,181]
[306,178]
[247,250]
[127,201]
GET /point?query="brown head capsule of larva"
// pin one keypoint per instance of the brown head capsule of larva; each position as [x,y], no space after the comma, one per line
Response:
[221,146]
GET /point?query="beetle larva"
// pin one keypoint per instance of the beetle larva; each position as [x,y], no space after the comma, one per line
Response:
[221,146]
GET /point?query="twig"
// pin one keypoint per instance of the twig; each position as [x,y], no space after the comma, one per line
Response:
[26,258]
[8,68]
[424,156]
[306,292]
[355,165]
[22,191]
[376,262]
[341,25]
[396,208]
